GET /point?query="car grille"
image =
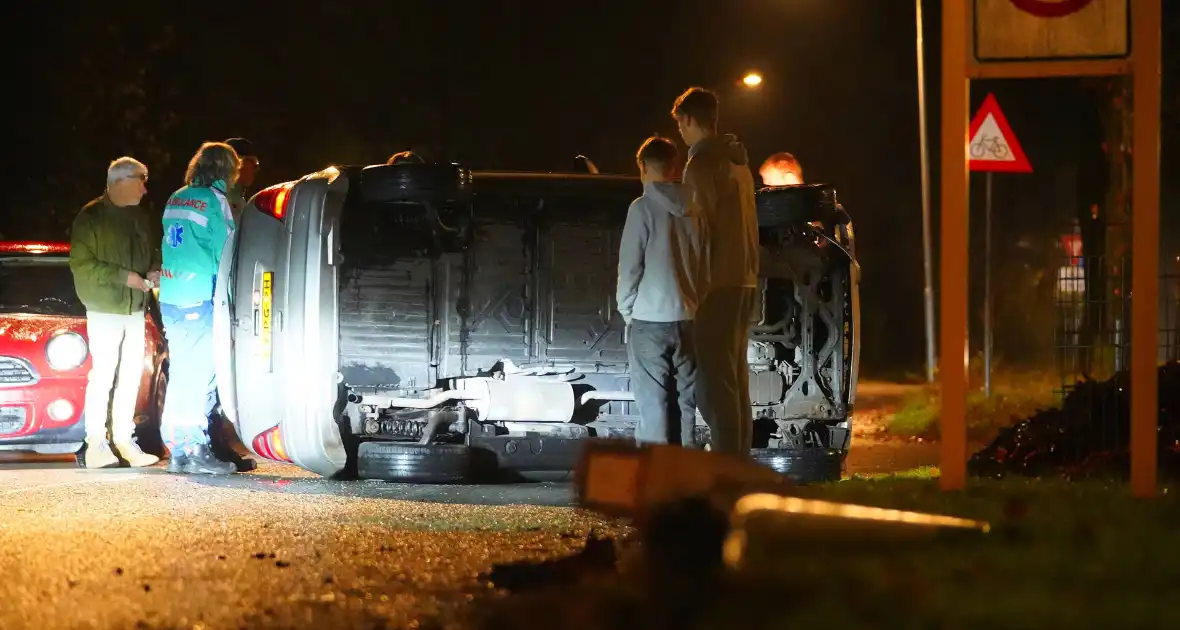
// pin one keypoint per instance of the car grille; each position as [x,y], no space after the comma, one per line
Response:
[14,371]
[12,419]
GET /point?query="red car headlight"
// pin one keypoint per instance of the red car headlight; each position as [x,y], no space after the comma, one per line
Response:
[66,351]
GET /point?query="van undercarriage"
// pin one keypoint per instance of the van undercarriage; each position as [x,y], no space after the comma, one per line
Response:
[435,316]
[505,337]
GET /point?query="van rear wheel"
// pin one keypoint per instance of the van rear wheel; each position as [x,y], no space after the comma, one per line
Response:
[413,182]
[414,463]
[803,465]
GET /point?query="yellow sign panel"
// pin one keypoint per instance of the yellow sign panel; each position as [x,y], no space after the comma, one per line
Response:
[1027,30]
[266,308]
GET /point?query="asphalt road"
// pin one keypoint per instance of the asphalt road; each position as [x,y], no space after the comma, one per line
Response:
[272,549]
[279,547]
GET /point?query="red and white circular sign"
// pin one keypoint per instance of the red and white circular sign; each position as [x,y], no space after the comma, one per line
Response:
[1051,8]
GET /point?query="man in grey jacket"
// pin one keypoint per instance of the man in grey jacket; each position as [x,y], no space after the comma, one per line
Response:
[718,178]
[657,297]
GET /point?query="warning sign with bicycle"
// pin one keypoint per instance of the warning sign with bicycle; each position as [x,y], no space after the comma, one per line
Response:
[992,149]
[993,146]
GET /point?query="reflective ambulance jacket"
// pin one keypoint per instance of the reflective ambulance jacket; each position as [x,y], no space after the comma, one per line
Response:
[198,221]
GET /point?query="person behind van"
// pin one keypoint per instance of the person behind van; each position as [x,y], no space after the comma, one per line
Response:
[405,157]
[240,192]
[718,178]
[115,260]
[239,195]
[781,169]
[198,220]
[658,259]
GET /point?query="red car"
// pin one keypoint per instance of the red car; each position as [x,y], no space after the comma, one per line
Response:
[44,355]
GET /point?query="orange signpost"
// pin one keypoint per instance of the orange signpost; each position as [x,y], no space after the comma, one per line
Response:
[952,362]
[1145,243]
[1039,39]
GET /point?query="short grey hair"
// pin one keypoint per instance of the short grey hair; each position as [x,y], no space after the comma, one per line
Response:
[212,162]
[125,168]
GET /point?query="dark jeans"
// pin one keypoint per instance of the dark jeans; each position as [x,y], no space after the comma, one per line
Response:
[722,336]
[663,377]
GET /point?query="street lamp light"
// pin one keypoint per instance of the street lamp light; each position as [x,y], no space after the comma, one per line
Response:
[752,79]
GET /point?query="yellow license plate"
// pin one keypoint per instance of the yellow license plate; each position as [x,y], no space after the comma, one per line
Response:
[268,280]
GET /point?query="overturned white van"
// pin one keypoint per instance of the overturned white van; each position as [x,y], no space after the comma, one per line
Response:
[423,322]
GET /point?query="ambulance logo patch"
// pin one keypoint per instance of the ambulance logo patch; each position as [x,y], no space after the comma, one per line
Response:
[175,235]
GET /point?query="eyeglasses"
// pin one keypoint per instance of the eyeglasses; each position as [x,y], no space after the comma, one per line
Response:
[249,160]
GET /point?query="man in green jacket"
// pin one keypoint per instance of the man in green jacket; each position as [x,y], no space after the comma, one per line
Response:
[115,260]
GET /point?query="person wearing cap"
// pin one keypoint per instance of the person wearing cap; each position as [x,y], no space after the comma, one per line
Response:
[115,263]
[239,196]
[240,192]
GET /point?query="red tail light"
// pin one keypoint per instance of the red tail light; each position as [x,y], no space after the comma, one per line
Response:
[273,200]
[33,247]
[269,444]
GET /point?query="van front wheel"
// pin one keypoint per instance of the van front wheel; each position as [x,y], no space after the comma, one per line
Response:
[403,462]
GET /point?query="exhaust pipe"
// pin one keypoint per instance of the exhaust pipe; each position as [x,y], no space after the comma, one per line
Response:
[385,401]
[606,395]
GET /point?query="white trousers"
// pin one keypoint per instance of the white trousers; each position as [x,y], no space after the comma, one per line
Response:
[116,363]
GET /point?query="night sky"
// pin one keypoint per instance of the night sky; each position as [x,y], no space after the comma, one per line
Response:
[527,85]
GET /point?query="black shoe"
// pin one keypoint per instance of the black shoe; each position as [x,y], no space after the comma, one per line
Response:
[243,464]
[226,453]
[176,463]
[221,448]
[201,461]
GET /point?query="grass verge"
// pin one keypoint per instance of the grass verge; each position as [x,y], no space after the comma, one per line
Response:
[1062,555]
[1013,398]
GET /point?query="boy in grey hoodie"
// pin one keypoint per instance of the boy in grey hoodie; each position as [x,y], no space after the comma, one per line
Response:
[657,297]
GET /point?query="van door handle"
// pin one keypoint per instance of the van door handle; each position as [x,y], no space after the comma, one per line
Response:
[257,318]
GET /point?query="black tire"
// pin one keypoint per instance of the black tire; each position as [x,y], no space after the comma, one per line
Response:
[802,465]
[782,206]
[414,463]
[386,183]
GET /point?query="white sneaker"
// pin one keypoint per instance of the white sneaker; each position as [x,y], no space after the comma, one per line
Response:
[99,455]
[135,456]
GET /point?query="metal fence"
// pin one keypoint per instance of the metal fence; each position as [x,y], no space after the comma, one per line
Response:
[1093,307]
[1092,352]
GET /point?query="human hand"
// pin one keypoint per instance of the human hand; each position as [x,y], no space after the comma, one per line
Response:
[136,281]
[154,278]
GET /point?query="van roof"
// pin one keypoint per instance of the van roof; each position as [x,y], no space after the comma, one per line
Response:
[554,184]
